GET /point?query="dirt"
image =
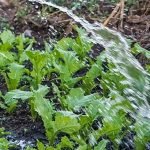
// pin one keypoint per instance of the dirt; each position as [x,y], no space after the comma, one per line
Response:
[21,126]
[23,17]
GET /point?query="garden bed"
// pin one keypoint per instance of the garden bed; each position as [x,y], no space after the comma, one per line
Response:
[59,88]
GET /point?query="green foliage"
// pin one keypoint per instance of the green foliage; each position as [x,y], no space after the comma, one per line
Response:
[7,37]
[82,44]
[79,105]
[13,77]
[12,56]
[142,127]
[68,57]
[4,144]
[101,145]
[11,98]
[138,49]
[76,99]
[38,60]
[65,143]
[66,63]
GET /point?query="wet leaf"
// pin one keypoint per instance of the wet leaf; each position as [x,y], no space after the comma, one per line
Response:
[101,145]
[7,37]
[76,99]
[66,124]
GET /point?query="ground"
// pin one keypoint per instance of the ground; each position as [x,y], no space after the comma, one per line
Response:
[23,17]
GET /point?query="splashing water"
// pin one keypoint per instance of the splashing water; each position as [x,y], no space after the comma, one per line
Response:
[117,51]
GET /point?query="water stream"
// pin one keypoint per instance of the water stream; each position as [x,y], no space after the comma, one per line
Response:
[117,51]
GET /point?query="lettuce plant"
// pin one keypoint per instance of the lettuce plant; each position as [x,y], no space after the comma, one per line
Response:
[86,118]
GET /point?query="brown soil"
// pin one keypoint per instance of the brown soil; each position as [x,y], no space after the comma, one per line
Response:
[24,16]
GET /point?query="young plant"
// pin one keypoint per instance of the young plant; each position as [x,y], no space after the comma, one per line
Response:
[13,76]
[39,62]
[4,144]
[62,122]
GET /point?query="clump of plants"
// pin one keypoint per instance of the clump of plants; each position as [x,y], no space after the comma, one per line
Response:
[4,143]
[94,112]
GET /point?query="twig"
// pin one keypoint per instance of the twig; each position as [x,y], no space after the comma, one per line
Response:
[112,14]
[121,14]
[148,8]
[54,13]
[63,21]
[116,19]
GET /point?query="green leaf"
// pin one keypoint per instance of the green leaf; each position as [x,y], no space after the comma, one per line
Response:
[42,90]
[11,97]
[3,132]
[2,105]
[83,44]
[7,37]
[65,143]
[112,125]
[101,145]
[142,128]
[66,124]
[76,99]
[82,147]
[66,63]
[71,62]
[44,108]
[21,42]
[138,49]
[40,146]
[17,94]
[6,57]
[29,148]
[64,44]
[14,76]
[88,79]
[39,61]
[4,144]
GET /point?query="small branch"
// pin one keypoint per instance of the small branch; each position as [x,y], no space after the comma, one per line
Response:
[116,17]
[112,14]
[54,13]
[121,14]
[63,21]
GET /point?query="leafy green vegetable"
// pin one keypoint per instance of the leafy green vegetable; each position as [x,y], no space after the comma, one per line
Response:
[83,44]
[76,99]
[6,57]
[44,108]
[16,94]
[39,60]
[64,95]
[142,128]
[4,144]
[101,145]
[7,37]
[13,77]
[138,49]
[67,124]
[66,63]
